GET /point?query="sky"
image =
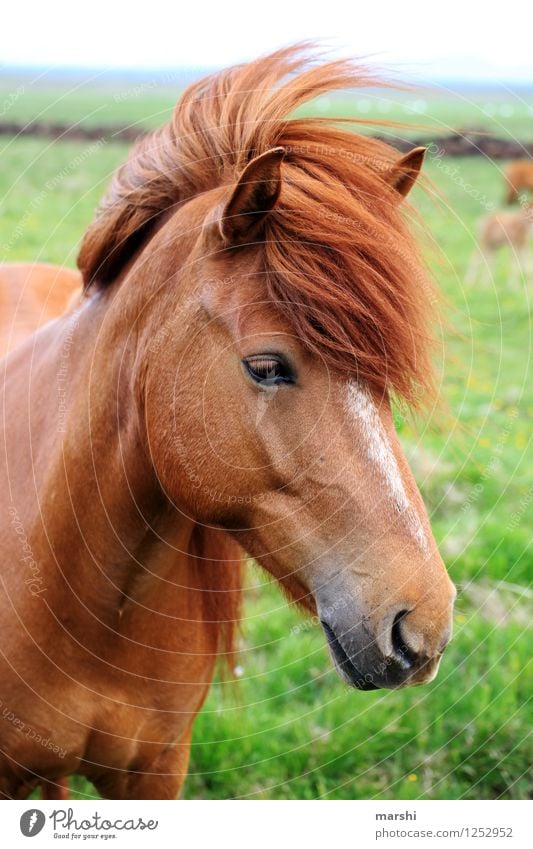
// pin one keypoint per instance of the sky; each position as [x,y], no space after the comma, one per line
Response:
[471,40]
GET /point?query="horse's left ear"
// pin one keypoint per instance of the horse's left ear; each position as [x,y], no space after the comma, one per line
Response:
[254,196]
[404,173]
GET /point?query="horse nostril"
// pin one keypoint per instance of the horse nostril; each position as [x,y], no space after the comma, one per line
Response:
[402,652]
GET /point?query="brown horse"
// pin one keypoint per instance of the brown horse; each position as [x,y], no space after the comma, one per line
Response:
[31,295]
[511,229]
[518,176]
[252,298]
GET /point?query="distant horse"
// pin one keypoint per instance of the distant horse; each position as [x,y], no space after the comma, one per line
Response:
[512,230]
[31,295]
[242,258]
[518,176]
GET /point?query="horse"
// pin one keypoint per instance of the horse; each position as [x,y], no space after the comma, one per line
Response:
[30,296]
[253,303]
[518,176]
[499,230]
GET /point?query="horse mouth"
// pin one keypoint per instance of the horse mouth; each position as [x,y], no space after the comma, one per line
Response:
[345,665]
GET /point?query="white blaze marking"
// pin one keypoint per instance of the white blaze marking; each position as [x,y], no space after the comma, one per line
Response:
[362,407]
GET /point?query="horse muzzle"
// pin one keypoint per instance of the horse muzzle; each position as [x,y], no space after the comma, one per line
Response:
[366,665]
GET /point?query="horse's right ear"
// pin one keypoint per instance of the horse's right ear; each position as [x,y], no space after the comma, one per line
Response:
[404,173]
[254,196]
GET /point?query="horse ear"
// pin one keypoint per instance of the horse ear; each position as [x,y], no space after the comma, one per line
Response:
[254,196]
[404,173]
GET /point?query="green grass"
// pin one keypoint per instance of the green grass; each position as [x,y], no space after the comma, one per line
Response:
[91,102]
[147,102]
[289,728]
[298,733]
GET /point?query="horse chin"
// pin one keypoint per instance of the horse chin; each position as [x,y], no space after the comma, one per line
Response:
[345,665]
[373,671]
[426,674]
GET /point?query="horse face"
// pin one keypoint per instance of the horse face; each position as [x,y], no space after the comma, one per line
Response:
[304,468]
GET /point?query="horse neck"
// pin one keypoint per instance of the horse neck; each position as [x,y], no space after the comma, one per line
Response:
[101,497]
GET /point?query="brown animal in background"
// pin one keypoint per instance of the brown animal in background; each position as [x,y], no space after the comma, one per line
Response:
[518,176]
[241,257]
[31,295]
[499,230]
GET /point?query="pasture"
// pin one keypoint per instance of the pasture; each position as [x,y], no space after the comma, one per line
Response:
[287,727]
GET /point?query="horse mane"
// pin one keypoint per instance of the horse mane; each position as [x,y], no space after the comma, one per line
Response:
[337,256]
[218,564]
[339,260]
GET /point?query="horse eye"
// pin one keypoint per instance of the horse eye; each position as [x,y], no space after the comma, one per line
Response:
[268,370]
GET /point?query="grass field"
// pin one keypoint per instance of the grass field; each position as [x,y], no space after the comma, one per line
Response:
[289,728]
[146,102]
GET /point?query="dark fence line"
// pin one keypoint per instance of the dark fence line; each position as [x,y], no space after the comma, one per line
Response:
[453,144]
[456,144]
[66,132]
